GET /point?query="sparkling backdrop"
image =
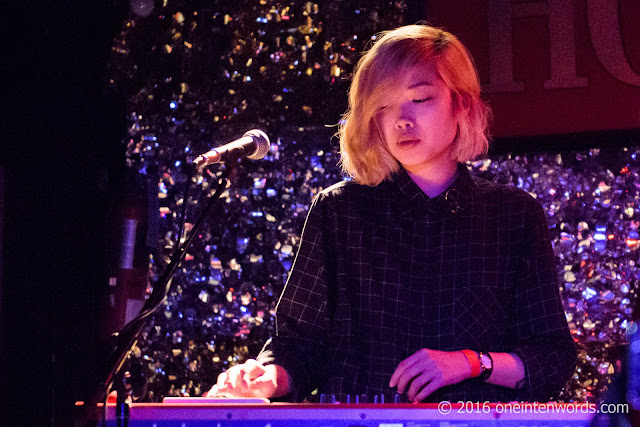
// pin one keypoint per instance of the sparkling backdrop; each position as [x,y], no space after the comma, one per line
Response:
[198,74]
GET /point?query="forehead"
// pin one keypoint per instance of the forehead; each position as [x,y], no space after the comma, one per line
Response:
[423,73]
[395,82]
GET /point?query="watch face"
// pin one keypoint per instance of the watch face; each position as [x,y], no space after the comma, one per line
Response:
[486,361]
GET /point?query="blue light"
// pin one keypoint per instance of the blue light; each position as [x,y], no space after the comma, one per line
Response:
[177,163]
[173,105]
[241,244]
[248,78]
[588,293]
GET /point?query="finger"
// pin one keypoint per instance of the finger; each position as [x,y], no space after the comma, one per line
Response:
[406,363]
[222,379]
[427,390]
[256,371]
[399,372]
[239,389]
[249,364]
[235,381]
[242,384]
[394,377]
[409,374]
[417,384]
[263,387]
[246,378]
[222,383]
[213,391]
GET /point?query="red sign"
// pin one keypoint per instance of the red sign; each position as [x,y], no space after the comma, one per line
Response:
[554,66]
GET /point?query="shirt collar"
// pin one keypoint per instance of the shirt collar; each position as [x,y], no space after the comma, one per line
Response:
[453,199]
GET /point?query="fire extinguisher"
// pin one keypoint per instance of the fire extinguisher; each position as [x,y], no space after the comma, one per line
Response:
[129,264]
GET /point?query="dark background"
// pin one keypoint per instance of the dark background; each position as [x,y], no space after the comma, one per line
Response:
[63,167]
[63,164]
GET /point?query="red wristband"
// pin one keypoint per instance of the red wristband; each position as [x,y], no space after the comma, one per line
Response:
[472,357]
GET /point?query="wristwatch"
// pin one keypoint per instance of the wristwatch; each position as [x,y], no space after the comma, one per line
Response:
[486,366]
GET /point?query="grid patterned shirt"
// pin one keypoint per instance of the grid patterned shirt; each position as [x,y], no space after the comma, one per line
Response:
[385,271]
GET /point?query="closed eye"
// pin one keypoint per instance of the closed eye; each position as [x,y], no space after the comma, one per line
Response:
[420,101]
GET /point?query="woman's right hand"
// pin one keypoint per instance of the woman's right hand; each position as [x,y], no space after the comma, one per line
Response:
[252,379]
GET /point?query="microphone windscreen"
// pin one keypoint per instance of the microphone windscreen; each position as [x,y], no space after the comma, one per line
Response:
[262,143]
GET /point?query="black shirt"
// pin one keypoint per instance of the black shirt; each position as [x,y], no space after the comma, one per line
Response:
[385,271]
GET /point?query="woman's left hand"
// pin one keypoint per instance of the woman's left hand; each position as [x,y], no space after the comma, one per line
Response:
[428,370]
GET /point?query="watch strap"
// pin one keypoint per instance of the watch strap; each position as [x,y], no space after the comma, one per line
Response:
[474,361]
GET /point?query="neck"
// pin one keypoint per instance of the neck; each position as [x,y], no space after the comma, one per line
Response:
[434,179]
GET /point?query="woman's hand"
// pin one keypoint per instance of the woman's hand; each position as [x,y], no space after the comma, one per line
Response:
[252,379]
[428,370]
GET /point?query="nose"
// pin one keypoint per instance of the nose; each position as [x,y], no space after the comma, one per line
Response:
[403,122]
[405,119]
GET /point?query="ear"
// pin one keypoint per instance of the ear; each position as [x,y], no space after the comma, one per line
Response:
[461,102]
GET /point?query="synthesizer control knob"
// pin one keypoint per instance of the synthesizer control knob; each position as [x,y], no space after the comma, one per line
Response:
[327,398]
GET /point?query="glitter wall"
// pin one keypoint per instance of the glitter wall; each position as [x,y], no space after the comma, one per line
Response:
[198,77]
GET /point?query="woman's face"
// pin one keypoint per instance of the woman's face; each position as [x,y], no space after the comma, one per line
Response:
[418,121]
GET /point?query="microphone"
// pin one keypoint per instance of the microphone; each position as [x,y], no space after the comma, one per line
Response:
[254,144]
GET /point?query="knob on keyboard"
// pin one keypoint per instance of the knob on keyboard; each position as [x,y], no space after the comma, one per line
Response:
[362,398]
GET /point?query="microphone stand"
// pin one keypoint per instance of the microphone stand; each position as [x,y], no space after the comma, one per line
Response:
[128,337]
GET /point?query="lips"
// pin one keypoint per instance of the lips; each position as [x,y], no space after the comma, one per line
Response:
[408,142]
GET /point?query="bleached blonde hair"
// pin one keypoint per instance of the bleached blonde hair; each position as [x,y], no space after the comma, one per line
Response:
[364,155]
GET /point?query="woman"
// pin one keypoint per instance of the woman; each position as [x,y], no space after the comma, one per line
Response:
[415,277]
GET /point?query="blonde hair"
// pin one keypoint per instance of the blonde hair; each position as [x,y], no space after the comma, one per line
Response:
[364,155]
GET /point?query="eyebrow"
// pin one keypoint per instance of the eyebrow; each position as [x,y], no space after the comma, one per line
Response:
[418,84]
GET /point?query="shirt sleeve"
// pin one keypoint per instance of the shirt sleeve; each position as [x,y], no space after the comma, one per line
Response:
[541,335]
[302,318]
